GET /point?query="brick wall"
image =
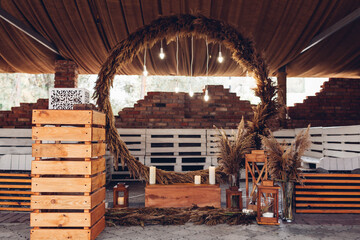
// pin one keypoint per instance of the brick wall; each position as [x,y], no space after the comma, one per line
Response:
[20,117]
[179,110]
[337,104]
[66,74]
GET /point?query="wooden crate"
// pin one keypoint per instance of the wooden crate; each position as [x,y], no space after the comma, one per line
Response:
[182,195]
[69,174]
[15,191]
[328,193]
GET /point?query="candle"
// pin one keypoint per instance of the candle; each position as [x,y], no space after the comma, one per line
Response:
[121,200]
[197,179]
[211,175]
[152,177]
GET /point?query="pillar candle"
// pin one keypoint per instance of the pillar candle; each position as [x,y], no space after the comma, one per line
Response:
[197,179]
[121,200]
[211,175]
[152,178]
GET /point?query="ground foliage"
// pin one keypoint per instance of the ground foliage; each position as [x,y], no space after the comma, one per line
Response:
[185,25]
[176,216]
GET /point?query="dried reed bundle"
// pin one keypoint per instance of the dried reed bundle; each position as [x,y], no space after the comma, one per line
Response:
[285,161]
[175,216]
[232,153]
[169,27]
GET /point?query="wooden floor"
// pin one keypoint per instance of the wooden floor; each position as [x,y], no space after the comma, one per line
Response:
[14,217]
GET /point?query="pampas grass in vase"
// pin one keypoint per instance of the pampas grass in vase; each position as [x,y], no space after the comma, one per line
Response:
[284,165]
[232,152]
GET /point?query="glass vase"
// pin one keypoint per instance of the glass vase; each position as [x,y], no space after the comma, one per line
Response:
[287,201]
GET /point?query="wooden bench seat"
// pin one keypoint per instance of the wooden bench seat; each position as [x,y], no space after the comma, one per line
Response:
[328,193]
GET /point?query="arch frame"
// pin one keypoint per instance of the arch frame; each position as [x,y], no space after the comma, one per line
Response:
[184,25]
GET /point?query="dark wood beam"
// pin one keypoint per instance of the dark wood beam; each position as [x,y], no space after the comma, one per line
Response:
[27,30]
[334,28]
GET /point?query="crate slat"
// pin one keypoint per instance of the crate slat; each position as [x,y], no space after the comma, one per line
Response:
[68,202]
[71,117]
[56,184]
[68,150]
[68,133]
[64,219]
[69,167]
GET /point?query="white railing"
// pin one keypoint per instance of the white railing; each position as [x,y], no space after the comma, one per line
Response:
[185,149]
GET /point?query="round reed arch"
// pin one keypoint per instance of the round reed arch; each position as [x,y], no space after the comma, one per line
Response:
[186,25]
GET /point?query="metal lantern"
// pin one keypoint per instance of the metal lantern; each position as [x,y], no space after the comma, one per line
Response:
[268,203]
[233,198]
[121,195]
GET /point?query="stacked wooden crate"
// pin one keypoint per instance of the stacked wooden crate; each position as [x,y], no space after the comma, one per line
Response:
[68,174]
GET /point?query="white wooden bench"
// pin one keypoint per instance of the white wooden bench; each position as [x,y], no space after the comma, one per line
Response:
[15,149]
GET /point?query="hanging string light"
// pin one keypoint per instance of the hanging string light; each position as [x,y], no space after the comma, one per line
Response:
[220,58]
[177,63]
[161,54]
[206,96]
[145,72]
[191,93]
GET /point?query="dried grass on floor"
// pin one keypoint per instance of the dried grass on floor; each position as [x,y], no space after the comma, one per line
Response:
[176,216]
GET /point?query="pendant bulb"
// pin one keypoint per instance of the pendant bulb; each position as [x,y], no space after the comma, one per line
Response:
[145,72]
[220,58]
[177,87]
[191,93]
[162,54]
[206,97]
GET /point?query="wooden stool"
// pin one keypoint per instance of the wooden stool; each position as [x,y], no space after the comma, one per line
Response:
[121,202]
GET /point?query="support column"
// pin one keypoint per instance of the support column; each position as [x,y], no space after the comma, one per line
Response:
[281,79]
[66,74]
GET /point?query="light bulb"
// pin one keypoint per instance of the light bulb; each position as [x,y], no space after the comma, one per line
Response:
[145,72]
[162,54]
[191,93]
[206,97]
[220,58]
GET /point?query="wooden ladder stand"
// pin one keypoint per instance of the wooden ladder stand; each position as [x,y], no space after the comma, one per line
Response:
[251,161]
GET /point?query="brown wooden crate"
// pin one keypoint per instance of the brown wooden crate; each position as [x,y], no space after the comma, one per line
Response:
[68,150]
[182,195]
[71,117]
[68,167]
[68,184]
[68,202]
[68,133]
[61,234]
[64,219]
